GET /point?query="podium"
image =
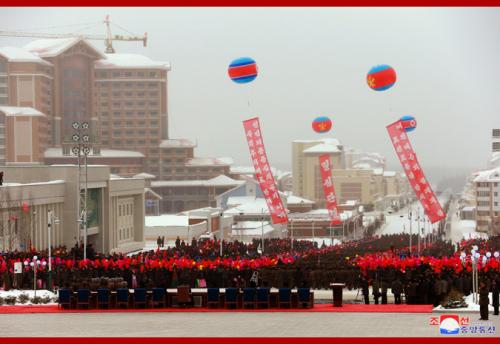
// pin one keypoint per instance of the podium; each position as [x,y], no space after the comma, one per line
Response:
[337,293]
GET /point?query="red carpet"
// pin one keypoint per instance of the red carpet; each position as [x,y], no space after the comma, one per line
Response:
[348,308]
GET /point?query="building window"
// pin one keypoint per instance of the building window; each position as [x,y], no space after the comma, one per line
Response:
[152,74]
[116,74]
[128,74]
[496,132]
[140,74]
[496,146]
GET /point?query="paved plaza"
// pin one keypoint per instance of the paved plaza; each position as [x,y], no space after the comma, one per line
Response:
[235,324]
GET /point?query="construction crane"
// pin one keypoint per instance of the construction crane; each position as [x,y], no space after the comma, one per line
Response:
[108,39]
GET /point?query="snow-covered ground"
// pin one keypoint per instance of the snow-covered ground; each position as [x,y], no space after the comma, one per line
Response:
[399,221]
[460,229]
[31,294]
[472,307]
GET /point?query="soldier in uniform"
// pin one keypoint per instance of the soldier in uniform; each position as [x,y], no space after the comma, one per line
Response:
[483,300]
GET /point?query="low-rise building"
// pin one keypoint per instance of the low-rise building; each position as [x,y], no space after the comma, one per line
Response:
[115,208]
[487,185]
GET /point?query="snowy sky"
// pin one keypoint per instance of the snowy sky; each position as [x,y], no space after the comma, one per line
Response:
[313,61]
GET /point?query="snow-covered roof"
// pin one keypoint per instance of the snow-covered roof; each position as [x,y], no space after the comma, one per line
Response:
[145,175]
[20,111]
[167,221]
[495,159]
[129,61]
[50,182]
[250,171]
[469,208]
[221,180]
[378,171]
[292,199]
[207,162]
[242,170]
[238,200]
[249,206]
[173,143]
[16,54]
[154,194]
[49,47]
[389,174]
[467,224]
[105,153]
[318,214]
[492,175]
[251,228]
[330,141]
[350,203]
[322,148]
[362,166]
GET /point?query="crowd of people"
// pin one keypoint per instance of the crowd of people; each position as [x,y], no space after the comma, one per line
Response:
[380,262]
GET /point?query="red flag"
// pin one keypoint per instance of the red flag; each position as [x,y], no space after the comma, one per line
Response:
[414,173]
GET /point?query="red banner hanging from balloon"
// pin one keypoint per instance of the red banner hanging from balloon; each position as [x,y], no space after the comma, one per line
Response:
[325,167]
[263,172]
[414,173]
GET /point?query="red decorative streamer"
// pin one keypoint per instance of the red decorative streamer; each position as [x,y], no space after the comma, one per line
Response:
[325,167]
[414,173]
[263,171]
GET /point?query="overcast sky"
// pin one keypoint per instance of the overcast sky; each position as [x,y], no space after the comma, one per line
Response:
[313,61]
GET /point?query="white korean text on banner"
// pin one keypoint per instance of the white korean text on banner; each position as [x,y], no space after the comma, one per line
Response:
[263,172]
[414,173]
[325,167]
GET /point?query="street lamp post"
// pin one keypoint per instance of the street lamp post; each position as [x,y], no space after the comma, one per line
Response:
[291,233]
[418,230]
[222,232]
[410,217]
[343,231]
[52,220]
[81,139]
[262,227]
[35,264]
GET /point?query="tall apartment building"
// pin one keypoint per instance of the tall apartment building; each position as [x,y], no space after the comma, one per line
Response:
[495,148]
[487,185]
[495,138]
[131,104]
[123,97]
